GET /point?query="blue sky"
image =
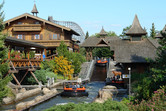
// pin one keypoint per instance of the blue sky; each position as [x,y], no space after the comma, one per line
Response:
[91,15]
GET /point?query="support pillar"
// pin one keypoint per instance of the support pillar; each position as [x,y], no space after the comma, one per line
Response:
[45,52]
[28,54]
[41,55]
[9,53]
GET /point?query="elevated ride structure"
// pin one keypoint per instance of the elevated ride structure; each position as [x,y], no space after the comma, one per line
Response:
[74,26]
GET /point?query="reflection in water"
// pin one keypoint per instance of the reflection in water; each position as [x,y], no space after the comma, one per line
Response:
[92,89]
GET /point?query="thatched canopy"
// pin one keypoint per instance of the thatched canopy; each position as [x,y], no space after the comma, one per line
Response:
[103,32]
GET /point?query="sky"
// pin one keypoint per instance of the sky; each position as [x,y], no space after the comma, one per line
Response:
[91,15]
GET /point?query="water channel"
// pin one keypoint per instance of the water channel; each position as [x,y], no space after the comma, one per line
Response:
[97,82]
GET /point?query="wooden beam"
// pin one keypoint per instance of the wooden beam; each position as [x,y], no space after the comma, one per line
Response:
[28,54]
[24,77]
[41,54]
[45,52]
[16,79]
[9,53]
[34,77]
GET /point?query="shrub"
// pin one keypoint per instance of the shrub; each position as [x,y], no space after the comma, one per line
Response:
[41,76]
[109,105]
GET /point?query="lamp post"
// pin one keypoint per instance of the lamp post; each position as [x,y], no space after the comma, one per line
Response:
[129,82]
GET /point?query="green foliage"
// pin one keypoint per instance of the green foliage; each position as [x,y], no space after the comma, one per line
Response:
[87,35]
[75,58]
[123,35]
[48,65]
[3,55]
[152,31]
[41,76]
[109,105]
[31,54]
[156,103]
[102,52]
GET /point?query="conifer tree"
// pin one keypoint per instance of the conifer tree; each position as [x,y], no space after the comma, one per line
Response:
[87,35]
[3,56]
[153,31]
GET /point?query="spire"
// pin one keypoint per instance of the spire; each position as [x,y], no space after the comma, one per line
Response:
[103,32]
[136,28]
[34,10]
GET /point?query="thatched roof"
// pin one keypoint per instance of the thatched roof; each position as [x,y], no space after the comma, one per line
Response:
[135,52]
[136,28]
[126,51]
[97,42]
[103,32]
[159,35]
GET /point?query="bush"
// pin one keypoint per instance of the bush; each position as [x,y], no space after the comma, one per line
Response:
[109,105]
[41,76]
[156,103]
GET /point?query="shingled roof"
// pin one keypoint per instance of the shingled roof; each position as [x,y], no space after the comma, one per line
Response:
[136,28]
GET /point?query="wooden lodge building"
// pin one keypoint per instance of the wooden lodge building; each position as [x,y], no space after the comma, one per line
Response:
[44,32]
[132,52]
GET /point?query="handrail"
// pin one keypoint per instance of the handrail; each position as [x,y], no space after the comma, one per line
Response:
[51,57]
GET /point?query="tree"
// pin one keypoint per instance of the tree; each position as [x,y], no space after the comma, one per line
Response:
[123,35]
[102,52]
[3,55]
[109,34]
[153,31]
[87,35]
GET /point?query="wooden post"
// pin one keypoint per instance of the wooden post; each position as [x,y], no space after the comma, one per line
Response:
[15,79]
[34,77]
[45,52]
[49,52]
[41,54]
[9,53]
[28,54]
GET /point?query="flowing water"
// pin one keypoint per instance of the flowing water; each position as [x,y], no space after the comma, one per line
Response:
[97,82]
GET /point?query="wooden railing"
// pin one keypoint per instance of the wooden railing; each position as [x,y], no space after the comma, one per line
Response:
[51,57]
[21,63]
[26,27]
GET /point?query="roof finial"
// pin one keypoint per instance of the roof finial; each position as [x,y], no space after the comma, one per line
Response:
[103,32]
[34,10]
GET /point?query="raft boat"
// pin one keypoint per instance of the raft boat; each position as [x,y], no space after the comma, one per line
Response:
[101,62]
[74,92]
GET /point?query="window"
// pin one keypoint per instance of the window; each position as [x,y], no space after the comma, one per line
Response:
[36,22]
[19,22]
[55,36]
[19,36]
[37,36]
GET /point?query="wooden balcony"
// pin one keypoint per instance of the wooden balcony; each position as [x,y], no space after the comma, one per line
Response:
[27,27]
[52,43]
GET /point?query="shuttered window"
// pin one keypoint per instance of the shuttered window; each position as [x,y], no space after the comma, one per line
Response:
[20,37]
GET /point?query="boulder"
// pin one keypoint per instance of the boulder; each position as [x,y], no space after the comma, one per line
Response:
[109,87]
[21,106]
[7,100]
[30,103]
[46,90]
[22,90]
[98,100]
[104,95]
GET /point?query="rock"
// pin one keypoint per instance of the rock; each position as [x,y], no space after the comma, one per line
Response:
[21,106]
[22,90]
[46,90]
[30,103]
[7,100]
[98,100]
[109,87]
[39,98]
[105,95]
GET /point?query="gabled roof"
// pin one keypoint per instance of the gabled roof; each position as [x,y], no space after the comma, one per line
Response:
[136,28]
[42,20]
[34,10]
[102,32]
[102,42]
